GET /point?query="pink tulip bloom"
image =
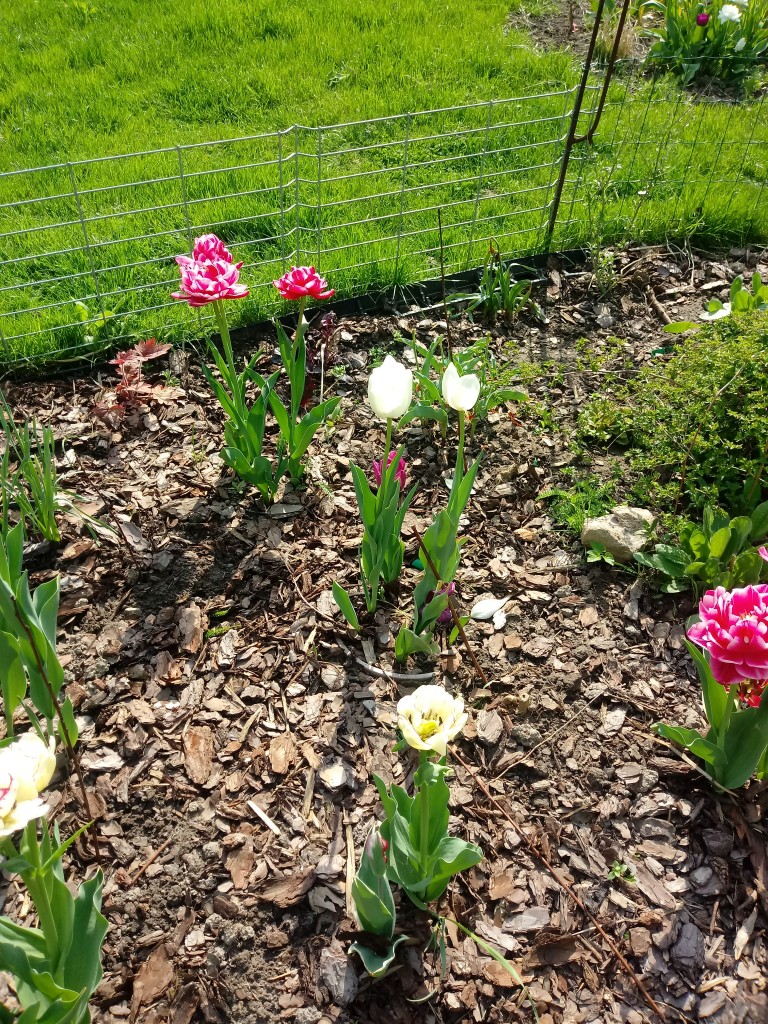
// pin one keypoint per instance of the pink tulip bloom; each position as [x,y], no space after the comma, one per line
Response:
[303,282]
[211,247]
[400,472]
[763,552]
[204,281]
[734,630]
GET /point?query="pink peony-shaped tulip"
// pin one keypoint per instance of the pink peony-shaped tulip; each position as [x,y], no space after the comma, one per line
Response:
[211,247]
[204,281]
[303,282]
[763,552]
[734,631]
[400,472]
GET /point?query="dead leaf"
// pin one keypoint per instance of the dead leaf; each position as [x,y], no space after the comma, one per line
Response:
[198,753]
[744,934]
[134,536]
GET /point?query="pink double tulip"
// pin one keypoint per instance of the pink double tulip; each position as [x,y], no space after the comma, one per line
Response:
[209,274]
[204,281]
[734,630]
[400,472]
[211,247]
[303,283]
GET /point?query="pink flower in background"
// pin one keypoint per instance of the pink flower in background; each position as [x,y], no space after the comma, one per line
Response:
[702,19]
[204,281]
[400,472]
[734,630]
[763,552]
[301,283]
[211,247]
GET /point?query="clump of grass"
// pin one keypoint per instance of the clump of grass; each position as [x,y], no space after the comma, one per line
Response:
[571,507]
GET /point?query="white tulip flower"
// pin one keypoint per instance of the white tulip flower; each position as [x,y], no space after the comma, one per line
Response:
[740,45]
[31,763]
[26,767]
[390,389]
[430,718]
[729,12]
[459,392]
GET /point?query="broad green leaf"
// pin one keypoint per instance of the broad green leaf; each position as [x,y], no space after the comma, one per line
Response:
[715,696]
[692,740]
[759,519]
[745,743]
[375,909]
[681,326]
[719,541]
[377,964]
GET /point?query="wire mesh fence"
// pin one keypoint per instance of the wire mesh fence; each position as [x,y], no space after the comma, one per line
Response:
[88,247]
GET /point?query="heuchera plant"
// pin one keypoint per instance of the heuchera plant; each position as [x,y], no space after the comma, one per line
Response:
[412,846]
[732,633]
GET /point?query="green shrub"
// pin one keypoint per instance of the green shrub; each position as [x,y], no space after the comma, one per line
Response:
[696,425]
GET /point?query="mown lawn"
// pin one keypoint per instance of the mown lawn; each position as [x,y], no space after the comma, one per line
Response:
[94,78]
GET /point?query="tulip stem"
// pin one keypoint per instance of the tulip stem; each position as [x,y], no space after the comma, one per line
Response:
[384,461]
[38,891]
[221,320]
[424,837]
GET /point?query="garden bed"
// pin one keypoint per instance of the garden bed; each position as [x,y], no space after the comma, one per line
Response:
[230,721]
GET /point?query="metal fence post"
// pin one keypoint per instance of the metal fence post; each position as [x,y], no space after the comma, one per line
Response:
[282,198]
[319,184]
[185,201]
[296,183]
[481,176]
[87,241]
[402,191]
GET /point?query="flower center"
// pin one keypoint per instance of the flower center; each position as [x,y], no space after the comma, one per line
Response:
[427,728]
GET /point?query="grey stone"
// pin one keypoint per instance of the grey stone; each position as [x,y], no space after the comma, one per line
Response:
[337,976]
[623,531]
[688,952]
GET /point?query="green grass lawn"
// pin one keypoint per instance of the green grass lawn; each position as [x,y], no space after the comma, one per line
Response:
[87,79]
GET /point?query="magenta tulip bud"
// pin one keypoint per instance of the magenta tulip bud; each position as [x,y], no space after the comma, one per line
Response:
[702,18]
[400,472]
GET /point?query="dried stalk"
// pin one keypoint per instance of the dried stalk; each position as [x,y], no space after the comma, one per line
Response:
[566,887]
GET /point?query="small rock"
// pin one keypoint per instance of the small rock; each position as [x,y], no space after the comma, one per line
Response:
[623,531]
[337,976]
[490,727]
[639,940]
[719,843]
[539,647]
[526,735]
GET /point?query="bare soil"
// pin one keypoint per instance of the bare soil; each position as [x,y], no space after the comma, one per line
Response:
[230,721]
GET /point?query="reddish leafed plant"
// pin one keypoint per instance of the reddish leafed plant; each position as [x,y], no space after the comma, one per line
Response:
[131,390]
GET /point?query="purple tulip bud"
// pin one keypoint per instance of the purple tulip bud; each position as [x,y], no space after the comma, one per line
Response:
[445,616]
[702,18]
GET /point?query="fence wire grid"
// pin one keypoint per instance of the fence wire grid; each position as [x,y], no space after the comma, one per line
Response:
[88,247]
